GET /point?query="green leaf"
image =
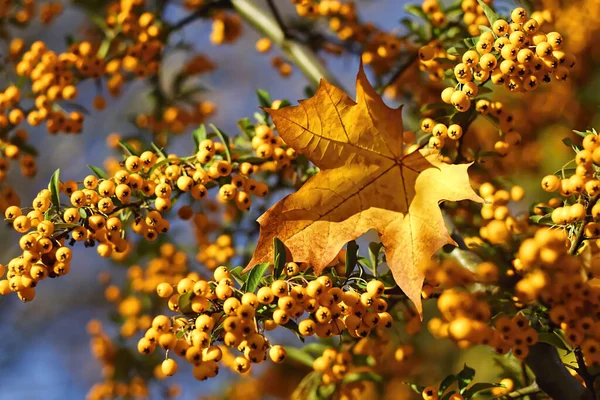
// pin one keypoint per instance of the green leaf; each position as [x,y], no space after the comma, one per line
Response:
[264,98]
[309,386]
[489,13]
[26,148]
[279,258]
[246,127]
[465,377]
[98,172]
[374,249]
[448,395]
[362,376]
[185,302]
[484,28]
[284,103]
[582,134]
[254,277]
[315,348]
[553,339]
[237,274]
[300,356]
[326,391]
[225,139]
[445,384]
[351,257]
[542,219]
[199,135]
[251,159]
[416,10]
[55,189]
[568,142]
[127,148]
[479,387]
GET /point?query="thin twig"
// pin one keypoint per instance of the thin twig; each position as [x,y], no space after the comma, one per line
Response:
[525,391]
[201,13]
[398,73]
[581,232]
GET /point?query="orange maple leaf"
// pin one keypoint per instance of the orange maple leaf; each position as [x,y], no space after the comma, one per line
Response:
[366,181]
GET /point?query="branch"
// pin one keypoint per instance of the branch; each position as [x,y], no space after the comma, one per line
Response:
[398,73]
[582,370]
[200,13]
[278,18]
[299,54]
[580,233]
[527,390]
[552,376]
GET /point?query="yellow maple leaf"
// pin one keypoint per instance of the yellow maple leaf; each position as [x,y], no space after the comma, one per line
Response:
[365,182]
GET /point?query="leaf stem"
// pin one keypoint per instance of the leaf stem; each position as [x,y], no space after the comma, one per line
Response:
[579,237]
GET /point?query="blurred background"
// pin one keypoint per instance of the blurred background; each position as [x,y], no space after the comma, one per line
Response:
[44,351]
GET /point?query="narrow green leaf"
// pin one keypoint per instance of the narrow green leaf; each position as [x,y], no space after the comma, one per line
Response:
[479,387]
[568,142]
[128,148]
[254,277]
[541,219]
[299,355]
[484,28]
[199,135]
[416,10]
[465,377]
[279,257]
[55,189]
[237,274]
[489,13]
[264,98]
[445,384]
[582,134]
[362,376]
[448,395]
[246,127]
[351,257]
[225,139]
[374,249]
[98,172]
[251,159]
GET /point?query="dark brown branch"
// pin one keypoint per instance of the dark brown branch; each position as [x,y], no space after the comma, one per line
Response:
[551,375]
[582,370]
[278,18]
[201,13]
